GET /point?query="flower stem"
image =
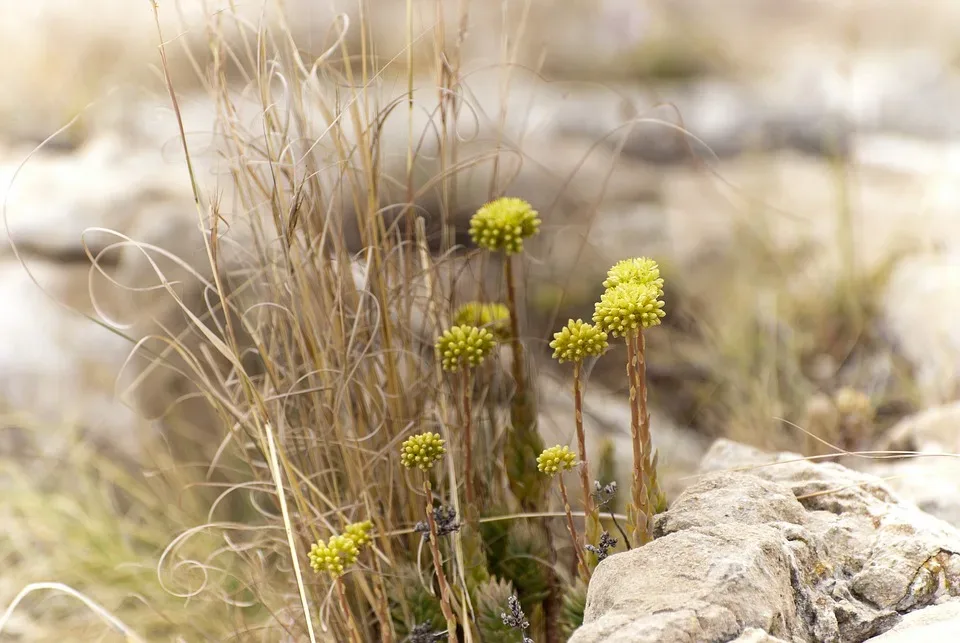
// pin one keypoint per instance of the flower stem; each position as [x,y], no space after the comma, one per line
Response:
[515,344]
[640,436]
[438,568]
[523,444]
[468,443]
[577,545]
[592,514]
[347,614]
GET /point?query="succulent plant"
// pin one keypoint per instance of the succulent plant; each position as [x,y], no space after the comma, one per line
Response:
[489,600]
[522,562]
[406,590]
[574,605]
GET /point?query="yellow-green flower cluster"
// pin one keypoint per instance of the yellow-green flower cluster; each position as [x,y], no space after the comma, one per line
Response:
[637,270]
[556,459]
[632,299]
[578,340]
[502,225]
[493,317]
[421,451]
[359,532]
[464,345]
[627,307]
[341,551]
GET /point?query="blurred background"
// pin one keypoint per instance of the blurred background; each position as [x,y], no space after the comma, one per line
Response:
[793,165]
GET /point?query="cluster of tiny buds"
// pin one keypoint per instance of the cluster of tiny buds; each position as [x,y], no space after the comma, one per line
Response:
[637,270]
[464,345]
[632,299]
[503,224]
[341,550]
[422,451]
[578,340]
[556,459]
[445,519]
[493,317]
[627,307]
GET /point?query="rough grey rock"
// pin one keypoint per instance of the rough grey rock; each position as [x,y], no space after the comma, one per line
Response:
[57,368]
[931,478]
[939,622]
[801,551]
[930,341]
[756,635]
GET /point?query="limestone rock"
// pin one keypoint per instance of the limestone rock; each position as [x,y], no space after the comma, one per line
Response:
[756,635]
[939,622]
[931,341]
[57,368]
[931,478]
[798,550]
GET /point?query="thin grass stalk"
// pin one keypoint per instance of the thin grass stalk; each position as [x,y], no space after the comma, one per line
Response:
[288,527]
